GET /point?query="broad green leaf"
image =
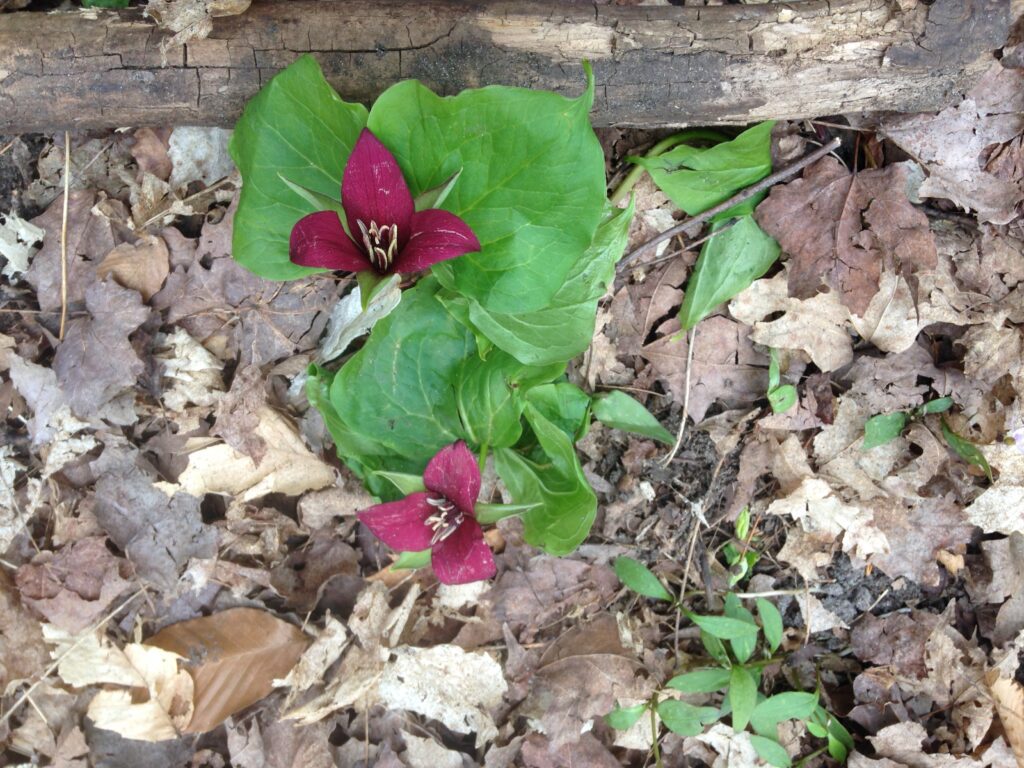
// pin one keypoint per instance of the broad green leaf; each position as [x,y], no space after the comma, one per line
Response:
[624,718]
[640,579]
[743,646]
[742,697]
[685,719]
[412,560]
[696,179]
[701,680]
[771,623]
[941,405]
[770,751]
[619,410]
[489,396]
[318,200]
[406,484]
[394,396]
[792,705]
[966,450]
[836,748]
[567,502]
[565,326]
[724,627]
[816,729]
[563,404]
[487,514]
[882,429]
[297,127]
[532,186]
[728,263]
[781,399]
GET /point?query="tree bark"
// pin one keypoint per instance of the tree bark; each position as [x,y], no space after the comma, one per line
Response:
[654,66]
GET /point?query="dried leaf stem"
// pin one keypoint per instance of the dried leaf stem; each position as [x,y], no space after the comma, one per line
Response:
[692,225]
[64,238]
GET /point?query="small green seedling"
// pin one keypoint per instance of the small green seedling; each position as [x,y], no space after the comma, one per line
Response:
[886,427]
[740,644]
[740,556]
[781,397]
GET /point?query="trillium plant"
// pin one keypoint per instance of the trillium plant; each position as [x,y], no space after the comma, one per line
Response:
[491,206]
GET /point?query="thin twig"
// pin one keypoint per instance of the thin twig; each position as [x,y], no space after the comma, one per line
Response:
[691,226]
[64,238]
[688,247]
[8,145]
[56,662]
[691,343]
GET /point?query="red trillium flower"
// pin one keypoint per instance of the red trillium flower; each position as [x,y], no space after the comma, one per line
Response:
[387,233]
[441,519]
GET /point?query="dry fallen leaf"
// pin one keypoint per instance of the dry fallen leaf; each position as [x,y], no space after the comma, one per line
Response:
[142,266]
[233,658]
[448,684]
[1009,698]
[288,466]
[960,146]
[841,230]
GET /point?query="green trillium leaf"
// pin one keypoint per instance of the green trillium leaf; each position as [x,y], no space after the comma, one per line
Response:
[296,128]
[619,410]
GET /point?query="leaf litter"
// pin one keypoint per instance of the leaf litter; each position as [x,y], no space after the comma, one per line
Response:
[182,558]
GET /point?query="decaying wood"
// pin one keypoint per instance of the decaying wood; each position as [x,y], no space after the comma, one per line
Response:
[653,65]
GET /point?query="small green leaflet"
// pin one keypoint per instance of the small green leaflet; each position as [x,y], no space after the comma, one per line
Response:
[104,3]
[770,751]
[966,450]
[724,627]
[619,410]
[412,560]
[742,697]
[882,429]
[701,680]
[434,198]
[639,578]
[405,484]
[744,645]
[941,405]
[624,718]
[685,719]
[792,705]
[771,623]
[728,263]
[487,514]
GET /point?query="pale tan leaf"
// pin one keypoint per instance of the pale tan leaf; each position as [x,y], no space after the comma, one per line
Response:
[90,659]
[143,266]
[1009,697]
[234,657]
[115,711]
[288,466]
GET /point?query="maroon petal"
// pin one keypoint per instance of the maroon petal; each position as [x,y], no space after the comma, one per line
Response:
[453,473]
[401,524]
[436,236]
[319,240]
[374,190]
[464,556]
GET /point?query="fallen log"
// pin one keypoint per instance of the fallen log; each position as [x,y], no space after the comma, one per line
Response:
[654,66]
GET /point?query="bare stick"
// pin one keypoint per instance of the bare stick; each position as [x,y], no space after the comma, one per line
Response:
[686,400]
[691,226]
[64,238]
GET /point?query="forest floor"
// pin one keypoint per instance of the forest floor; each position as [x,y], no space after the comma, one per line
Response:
[157,465]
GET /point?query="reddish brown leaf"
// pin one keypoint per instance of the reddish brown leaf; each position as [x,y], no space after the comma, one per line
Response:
[233,657]
[841,230]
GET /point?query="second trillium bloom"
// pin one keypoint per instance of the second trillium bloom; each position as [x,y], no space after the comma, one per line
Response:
[441,519]
[385,232]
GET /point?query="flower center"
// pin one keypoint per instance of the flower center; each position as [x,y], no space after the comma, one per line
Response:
[380,243]
[445,521]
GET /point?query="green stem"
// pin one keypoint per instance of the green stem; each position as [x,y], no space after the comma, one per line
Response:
[654,734]
[803,760]
[636,173]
